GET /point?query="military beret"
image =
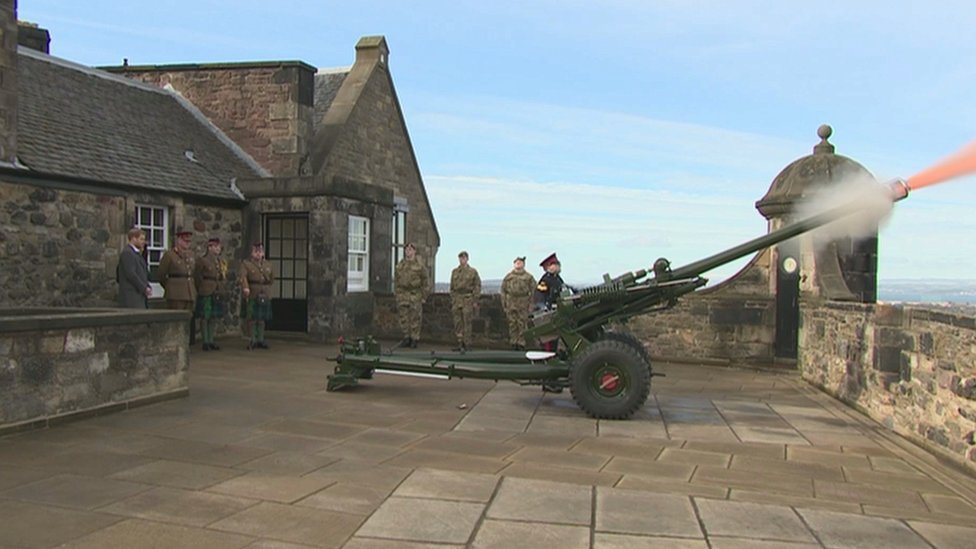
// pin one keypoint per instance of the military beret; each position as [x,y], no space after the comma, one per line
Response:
[213,241]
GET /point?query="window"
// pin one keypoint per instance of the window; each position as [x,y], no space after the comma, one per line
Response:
[399,238]
[155,221]
[358,275]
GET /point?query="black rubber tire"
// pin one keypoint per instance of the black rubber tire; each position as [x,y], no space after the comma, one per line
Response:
[610,380]
[630,339]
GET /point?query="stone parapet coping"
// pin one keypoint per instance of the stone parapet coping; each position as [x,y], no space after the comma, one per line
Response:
[60,318]
[67,417]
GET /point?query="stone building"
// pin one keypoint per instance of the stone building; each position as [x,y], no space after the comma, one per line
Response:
[317,164]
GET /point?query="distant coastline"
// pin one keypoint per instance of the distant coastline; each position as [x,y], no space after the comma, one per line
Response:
[936,291]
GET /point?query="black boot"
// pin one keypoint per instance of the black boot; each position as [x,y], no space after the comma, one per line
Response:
[406,342]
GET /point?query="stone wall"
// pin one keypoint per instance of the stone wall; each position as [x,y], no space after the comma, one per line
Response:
[731,323]
[911,369]
[58,247]
[57,364]
[266,108]
[489,327]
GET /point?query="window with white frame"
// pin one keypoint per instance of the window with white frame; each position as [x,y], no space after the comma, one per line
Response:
[358,273]
[154,220]
[399,239]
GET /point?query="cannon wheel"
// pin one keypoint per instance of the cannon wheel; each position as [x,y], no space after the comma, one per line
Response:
[629,339]
[610,380]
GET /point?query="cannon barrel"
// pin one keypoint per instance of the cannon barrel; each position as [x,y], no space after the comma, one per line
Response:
[898,189]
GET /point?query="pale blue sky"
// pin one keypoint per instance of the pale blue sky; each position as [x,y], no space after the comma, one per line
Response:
[615,131]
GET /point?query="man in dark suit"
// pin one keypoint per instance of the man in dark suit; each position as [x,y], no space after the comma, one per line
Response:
[132,273]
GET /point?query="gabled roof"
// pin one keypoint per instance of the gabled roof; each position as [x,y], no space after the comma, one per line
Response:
[327,84]
[83,122]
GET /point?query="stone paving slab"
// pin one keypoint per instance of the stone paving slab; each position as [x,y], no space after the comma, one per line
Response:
[260,455]
[153,535]
[856,531]
[542,501]
[752,520]
[501,534]
[633,512]
[75,491]
[423,520]
[186,507]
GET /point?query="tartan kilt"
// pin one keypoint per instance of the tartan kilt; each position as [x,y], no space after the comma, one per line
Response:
[259,309]
[209,306]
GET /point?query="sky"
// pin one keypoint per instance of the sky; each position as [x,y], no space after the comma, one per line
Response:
[614,132]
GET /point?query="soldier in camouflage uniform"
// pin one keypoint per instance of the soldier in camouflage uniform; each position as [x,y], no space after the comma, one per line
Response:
[210,275]
[465,291]
[518,287]
[176,277]
[256,277]
[411,289]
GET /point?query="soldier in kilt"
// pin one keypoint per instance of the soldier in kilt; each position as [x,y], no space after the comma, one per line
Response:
[256,278]
[210,275]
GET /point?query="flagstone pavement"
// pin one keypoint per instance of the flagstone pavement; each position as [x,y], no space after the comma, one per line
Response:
[261,456]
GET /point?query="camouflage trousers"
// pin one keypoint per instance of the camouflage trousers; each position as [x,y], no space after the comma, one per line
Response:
[518,322]
[410,313]
[463,311]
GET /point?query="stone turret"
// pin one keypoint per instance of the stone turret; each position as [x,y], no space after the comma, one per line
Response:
[842,269]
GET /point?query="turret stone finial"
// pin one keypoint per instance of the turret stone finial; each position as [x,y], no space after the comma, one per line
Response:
[824,147]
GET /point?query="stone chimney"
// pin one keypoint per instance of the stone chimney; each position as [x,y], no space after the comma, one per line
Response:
[372,50]
[34,37]
[8,81]
[371,53]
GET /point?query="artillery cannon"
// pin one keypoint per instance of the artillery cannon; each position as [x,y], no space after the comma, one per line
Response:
[607,371]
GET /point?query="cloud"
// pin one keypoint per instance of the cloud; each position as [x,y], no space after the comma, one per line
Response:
[594,228]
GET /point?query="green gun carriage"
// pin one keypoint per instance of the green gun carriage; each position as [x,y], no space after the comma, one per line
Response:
[607,370]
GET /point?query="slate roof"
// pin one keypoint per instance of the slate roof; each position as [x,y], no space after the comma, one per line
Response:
[327,84]
[82,122]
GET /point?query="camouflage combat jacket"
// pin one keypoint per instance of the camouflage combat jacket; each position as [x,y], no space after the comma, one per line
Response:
[517,289]
[465,284]
[410,281]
